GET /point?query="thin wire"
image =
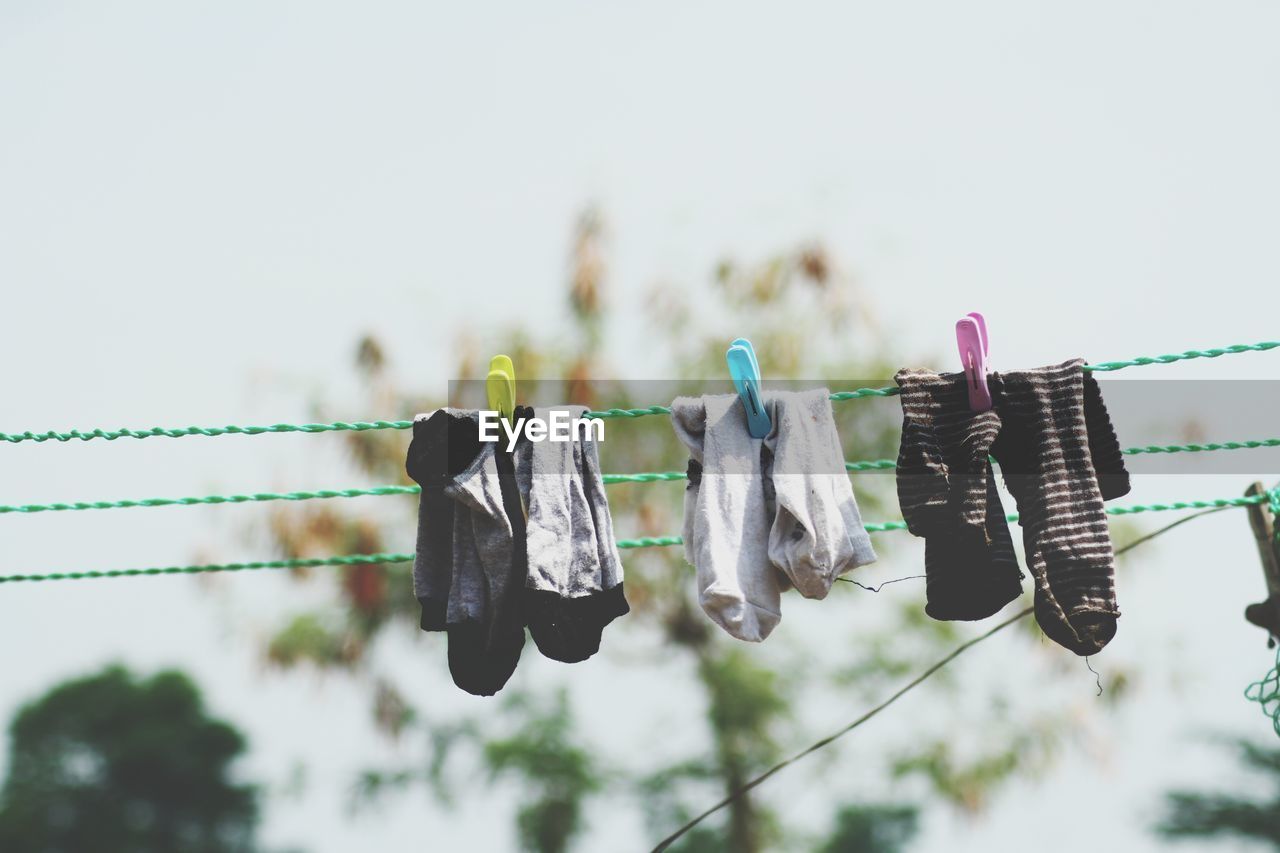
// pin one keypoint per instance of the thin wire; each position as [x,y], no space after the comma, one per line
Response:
[361,426]
[907,688]
[1096,677]
[882,585]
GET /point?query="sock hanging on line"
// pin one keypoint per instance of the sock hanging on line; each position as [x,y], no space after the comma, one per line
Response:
[470,563]
[948,496]
[726,521]
[1051,428]
[817,532]
[574,585]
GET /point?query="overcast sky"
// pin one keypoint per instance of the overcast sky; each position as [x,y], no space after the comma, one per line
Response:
[203,205]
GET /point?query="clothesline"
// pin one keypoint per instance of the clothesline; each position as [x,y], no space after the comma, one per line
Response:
[642,542]
[609,479]
[614,478]
[363,426]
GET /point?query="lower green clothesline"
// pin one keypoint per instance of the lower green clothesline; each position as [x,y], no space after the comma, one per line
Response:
[642,542]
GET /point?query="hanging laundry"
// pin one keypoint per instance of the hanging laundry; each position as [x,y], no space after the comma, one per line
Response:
[948,496]
[469,568]
[486,567]
[764,514]
[1060,459]
[574,586]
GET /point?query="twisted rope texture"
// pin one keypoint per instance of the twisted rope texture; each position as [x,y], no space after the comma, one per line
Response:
[642,542]
[361,426]
[609,479]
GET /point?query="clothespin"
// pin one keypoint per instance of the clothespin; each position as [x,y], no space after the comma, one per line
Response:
[500,387]
[745,372]
[971,339]
[1265,614]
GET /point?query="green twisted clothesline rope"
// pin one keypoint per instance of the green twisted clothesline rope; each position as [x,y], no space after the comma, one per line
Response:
[213,499]
[350,560]
[1216,503]
[642,542]
[609,479]
[1183,356]
[1267,694]
[361,426]
[112,435]
[892,390]
[1203,448]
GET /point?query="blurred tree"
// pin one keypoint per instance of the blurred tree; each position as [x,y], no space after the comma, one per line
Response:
[1200,815]
[808,320]
[114,763]
[872,829]
[557,772]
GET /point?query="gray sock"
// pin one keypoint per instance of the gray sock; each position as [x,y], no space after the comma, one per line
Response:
[574,584]
[817,533]
[469,567]
[483,541]
[726,523]
[488,574]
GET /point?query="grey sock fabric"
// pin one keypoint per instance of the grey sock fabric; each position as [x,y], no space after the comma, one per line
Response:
[574,584]
[726,525]
[470,561]
[948,496]
[817,533]
[1052,427]
[766,514]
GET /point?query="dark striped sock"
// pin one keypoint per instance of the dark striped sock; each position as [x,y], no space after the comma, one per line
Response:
[1051,426]
[948,496]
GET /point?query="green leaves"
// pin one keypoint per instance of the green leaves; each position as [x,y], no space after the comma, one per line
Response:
[113,762]
[558,772]
[1201,814]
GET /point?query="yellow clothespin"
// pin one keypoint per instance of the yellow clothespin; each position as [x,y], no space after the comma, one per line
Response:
[500,386]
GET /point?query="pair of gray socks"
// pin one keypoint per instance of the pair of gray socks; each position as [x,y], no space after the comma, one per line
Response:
[507,540]
[766,514]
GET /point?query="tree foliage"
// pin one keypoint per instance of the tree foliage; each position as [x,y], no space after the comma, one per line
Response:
[872,829]
[112,762]
[1200,815]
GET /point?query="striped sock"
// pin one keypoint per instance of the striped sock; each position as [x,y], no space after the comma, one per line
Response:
[948,496]
[1051,429]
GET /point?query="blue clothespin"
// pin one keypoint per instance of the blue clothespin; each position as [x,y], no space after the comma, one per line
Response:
[745,372]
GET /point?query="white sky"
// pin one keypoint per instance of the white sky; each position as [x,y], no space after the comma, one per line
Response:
[202,206]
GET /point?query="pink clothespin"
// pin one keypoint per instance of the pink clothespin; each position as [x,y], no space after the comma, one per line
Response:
[971,339]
